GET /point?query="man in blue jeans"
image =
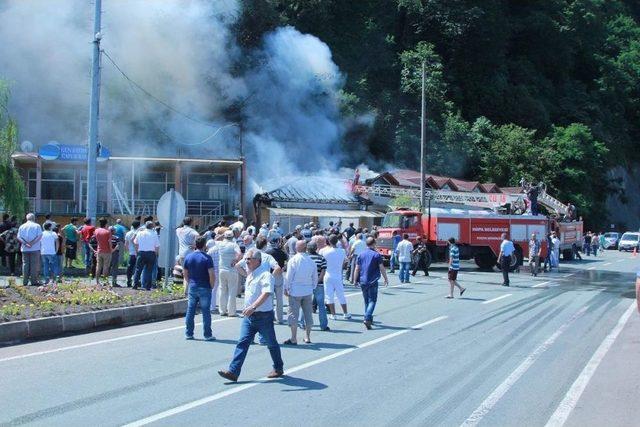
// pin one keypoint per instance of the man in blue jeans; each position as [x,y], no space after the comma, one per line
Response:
[258,317]
[395,239]
[369,267]
[199,279]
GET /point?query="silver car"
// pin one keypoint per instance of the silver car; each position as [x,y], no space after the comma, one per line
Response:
[629,242]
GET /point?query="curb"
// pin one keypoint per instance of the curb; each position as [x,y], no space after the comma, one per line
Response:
[13,332]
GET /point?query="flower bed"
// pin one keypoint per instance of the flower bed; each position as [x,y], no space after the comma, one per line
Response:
[20,302]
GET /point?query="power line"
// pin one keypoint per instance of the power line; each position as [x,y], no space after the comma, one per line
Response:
[150,95]
[132,84]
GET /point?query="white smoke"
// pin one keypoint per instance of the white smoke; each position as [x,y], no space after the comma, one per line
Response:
[184,53]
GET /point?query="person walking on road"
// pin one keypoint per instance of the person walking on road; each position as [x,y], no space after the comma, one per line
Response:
[586,245]
[595,243]
[535,249]
[333,281]
[199,278]
[404,249]
[555,252]
[29,235]
[454,267]
[504,257]
[258,317]
[420,257]
[318,292]
[300,281]
[369,268]
[393,262]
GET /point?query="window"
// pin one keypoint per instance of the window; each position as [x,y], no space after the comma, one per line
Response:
[57,184]
[204,186]
[152,185]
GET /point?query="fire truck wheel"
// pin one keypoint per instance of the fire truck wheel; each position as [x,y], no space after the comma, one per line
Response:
[485,261]
[567,255]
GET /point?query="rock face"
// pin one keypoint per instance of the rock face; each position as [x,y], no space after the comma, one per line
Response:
[624,211]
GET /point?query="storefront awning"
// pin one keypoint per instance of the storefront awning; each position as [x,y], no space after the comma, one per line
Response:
[324,213]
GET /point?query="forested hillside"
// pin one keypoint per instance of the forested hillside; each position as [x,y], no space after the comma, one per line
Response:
[546,89]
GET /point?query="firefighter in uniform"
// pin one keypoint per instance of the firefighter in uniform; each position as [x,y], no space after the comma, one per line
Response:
[420,257]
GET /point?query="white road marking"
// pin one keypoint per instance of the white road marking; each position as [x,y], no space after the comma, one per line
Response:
[92,343]
[142,334]
[570,400]
[476,417]
[569,275]
[591,268]
[497,299]
[539,285]
[607,263]
[238,389]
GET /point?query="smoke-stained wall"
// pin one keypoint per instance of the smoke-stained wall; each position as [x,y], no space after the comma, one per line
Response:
[184,53]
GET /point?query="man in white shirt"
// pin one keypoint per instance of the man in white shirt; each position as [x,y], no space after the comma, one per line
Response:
[504,258]
[299,282]
[238,225]
[212,251]
[48,251]
[147,244]
[186,238]
[404,251]
[333,284]
[29,235]
[258,318]
[228,256]
[131,247]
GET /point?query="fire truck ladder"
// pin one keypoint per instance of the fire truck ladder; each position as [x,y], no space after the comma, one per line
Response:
[552,203]
[485,200]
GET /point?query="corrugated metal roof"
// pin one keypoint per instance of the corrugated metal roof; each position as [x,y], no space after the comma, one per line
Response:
[314,189]
[326,213]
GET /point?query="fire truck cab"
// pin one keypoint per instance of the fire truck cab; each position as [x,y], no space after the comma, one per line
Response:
[477,233]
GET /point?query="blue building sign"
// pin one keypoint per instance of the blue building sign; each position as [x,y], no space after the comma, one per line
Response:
[74,153]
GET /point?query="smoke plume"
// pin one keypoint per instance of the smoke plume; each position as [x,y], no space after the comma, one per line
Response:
[185,55]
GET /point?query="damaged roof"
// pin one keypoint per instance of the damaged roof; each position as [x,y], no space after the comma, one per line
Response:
[313,189]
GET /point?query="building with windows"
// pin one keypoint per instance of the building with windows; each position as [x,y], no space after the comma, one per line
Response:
[130,186]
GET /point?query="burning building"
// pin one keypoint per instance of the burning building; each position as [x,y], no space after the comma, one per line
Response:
[56,181]
[315,199]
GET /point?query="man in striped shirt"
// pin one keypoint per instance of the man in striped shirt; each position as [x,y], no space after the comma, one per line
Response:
[454,267]
[318,292]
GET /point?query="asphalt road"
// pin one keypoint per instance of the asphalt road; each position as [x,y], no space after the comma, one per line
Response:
[557,349]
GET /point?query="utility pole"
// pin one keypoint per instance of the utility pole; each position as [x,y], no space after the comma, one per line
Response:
[423,136]
[94,114]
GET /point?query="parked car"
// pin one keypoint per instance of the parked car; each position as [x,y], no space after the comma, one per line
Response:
[629,241]
[611,240]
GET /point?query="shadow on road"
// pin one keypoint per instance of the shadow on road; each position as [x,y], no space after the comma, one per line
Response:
[300,384]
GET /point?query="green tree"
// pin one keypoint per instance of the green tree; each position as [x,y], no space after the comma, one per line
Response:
[581,170]
[11,184]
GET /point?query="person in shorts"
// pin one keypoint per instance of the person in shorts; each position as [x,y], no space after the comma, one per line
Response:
[454,267]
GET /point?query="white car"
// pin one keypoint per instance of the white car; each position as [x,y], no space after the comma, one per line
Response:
[611,240]
[629,242]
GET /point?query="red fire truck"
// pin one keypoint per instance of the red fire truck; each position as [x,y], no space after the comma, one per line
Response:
[476,230]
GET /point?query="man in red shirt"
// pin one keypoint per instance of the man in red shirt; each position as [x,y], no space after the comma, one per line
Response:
[86,233]
[103,253]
